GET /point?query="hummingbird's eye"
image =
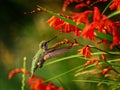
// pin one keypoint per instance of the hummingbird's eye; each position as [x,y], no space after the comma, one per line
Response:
[44,46]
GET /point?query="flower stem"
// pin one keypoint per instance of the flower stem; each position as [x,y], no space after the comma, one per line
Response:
[106,7]
[23,75]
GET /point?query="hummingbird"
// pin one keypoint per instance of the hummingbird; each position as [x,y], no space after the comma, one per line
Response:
[44,53]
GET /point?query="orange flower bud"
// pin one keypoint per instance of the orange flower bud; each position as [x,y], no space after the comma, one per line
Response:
[105,71]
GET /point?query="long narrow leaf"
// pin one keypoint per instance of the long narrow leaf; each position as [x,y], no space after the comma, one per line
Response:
[80,26]
[114,13]
[73,69]
[77,56]
[98,81]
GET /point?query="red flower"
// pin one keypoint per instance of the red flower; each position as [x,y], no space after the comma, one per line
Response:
[38,84]
[67,2]
[115,5]
[88,32]
[102,24]
[81,3]
[85,51]
[35,82]
[81,17]
[105,71]
[103,57]
[91,61]
[13,72]
[63,26]
[104,41]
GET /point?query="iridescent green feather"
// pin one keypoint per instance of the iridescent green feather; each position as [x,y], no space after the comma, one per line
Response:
[35,60]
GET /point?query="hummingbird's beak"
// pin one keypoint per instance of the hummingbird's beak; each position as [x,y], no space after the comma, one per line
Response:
[51,39]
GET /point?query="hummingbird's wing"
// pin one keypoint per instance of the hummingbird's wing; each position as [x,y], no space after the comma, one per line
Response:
[56,52]
[50,53]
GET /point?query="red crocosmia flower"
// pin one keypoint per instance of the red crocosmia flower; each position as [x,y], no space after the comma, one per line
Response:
[91,61]
[115,5]
[88,32]
[102,24]
[63,26]
[105,71]
[76,31]
[67,2]
[54,21]
[116,38]
[85,51]
[81,17]
[117,23]
[80,5]
[104,41]
[15,71]
[37,83]
[103,57]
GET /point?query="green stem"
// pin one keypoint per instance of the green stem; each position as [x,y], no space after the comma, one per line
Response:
[98,81]
[23,75]
[114,13]
[106,7]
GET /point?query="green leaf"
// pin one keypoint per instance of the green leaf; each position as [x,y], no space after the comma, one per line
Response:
[104,36]
[80,26]
[62,59]
[77,56]
[108,82]
[114,64]
[114,13]
[105,9]
[79,67]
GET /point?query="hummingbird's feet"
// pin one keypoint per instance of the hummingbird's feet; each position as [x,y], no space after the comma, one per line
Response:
[40,62]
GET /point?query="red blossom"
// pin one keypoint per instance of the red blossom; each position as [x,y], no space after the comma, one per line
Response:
[34,11]
[37,83]
[91,61]
[85,51]
[80,3]
[115,5]
[67,2]
[88,32]
[117,23]
[102,24]
[81,17]
[15,71]
[105,71]
[63,26]
[103,57]
[104,41]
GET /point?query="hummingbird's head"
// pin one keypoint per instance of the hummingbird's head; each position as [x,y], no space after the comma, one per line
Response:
[44,44]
